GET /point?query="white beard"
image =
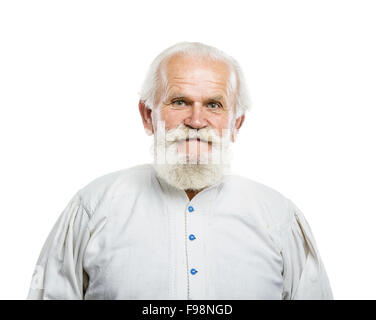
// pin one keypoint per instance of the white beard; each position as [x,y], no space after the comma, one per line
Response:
[186,171]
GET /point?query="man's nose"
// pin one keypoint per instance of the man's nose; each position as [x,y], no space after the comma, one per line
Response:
[197,119]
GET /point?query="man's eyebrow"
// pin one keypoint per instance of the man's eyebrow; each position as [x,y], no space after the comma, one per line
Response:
[182,96]
[176,96]
[216,98]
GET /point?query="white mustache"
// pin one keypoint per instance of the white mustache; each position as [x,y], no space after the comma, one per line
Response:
[166,145]
[184,133]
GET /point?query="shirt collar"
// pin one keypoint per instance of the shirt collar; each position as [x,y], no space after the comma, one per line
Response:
[202,200]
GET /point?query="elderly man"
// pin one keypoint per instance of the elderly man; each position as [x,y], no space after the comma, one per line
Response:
[183,227]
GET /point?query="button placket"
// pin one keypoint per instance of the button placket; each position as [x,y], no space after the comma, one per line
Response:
[195,249]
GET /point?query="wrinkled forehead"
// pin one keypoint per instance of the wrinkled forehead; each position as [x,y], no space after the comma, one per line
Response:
[196,70]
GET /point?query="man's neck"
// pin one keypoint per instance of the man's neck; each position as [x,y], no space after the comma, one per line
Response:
[191,193]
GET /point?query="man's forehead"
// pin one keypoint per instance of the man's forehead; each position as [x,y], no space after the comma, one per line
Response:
[184,68]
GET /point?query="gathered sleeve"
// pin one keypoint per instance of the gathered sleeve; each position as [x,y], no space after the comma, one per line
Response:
[59,270]
[304,274]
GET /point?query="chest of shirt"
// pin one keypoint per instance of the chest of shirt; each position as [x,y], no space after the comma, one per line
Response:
[149,250]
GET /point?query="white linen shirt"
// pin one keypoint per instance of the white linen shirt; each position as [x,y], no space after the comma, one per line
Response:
[130,235]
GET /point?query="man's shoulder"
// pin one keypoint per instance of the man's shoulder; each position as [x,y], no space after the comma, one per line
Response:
[111,184]
[249,186]
[256,195]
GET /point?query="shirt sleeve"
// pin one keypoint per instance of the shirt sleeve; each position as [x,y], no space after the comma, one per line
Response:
[59,270]
[304,274]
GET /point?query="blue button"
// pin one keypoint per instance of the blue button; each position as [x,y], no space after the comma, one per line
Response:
[192,237]
[193,271]
[190,209]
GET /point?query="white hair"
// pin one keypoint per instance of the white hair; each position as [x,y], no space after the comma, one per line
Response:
[150,85]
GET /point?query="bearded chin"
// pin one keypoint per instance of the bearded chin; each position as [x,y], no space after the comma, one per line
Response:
[185,175]
[190,176]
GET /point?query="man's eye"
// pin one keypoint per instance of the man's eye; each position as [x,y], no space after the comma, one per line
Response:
[179,102]
[213,105]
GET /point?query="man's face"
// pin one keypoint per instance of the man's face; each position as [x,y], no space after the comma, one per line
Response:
[196,96]
[196,93]
[192,121]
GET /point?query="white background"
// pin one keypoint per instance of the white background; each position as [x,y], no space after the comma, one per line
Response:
[70,73]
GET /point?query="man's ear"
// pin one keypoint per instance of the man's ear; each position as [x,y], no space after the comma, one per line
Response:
[238,123]
[145,113]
